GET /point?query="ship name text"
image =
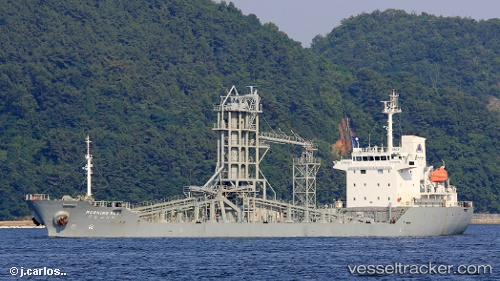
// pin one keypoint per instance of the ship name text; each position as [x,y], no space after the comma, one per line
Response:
[102,213]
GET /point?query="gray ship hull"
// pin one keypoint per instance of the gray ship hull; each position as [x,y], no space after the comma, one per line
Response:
[85,220]
[235,201]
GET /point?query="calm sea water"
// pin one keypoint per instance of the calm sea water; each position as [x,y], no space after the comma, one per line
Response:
[242,259]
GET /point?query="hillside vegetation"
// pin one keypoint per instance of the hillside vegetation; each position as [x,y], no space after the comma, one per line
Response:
[141,77]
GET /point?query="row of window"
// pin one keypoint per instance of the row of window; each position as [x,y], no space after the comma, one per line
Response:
[363,172]
[388,184]
[370,158]
[378,198]
[375,158]
[378,184]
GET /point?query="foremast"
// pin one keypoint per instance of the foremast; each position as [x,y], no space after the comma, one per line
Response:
[88,168]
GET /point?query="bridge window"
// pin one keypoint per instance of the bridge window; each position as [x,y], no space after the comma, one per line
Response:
[383,158]
[377,158]
[365,158]
[363,172]
[358,158]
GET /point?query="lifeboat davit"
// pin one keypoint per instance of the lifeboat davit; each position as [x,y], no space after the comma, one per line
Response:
[439,175]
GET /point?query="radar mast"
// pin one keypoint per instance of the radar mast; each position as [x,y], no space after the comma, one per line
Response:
[391,107]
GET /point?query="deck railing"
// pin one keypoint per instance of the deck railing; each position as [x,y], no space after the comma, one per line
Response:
[37,197]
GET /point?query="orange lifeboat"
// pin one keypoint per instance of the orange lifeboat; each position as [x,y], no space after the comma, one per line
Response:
[439,175]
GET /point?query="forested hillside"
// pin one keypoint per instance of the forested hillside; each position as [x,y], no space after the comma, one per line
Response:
[141,77]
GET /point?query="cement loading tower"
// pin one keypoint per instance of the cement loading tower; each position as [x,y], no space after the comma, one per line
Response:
[238,184]
[238,144]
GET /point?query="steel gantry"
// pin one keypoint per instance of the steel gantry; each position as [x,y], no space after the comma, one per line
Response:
[305,168]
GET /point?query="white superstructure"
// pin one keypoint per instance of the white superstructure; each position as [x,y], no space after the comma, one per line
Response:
[394,176]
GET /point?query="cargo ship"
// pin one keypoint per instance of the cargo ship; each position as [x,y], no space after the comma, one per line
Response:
[390,191]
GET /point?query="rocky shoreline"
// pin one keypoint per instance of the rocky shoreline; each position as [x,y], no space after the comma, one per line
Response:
[485,219]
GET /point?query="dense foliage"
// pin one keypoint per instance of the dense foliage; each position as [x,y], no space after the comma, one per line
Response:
[140,77]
